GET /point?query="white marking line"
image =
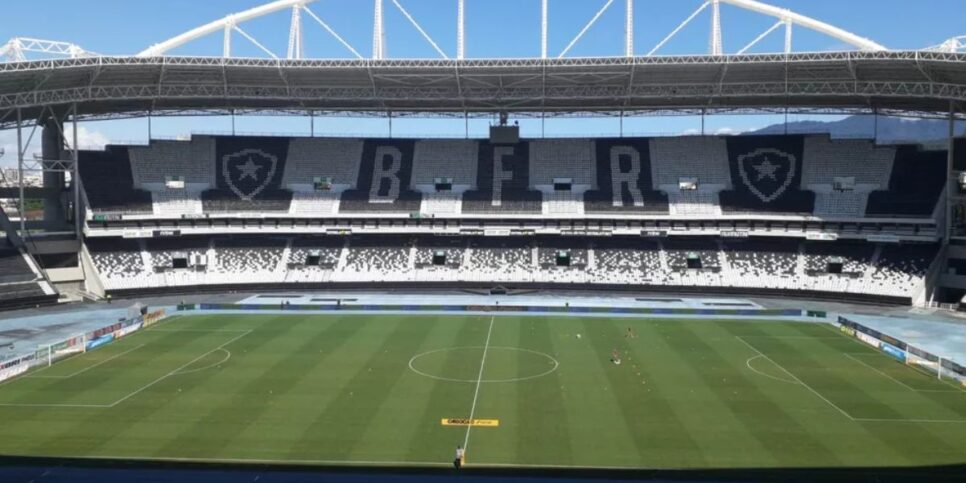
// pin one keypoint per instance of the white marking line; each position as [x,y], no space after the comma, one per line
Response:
[209,366]
[479,379]
[412,367]
[756,371]
[196,359]
[806,386]
[850,356]
[255,461]
[109,359]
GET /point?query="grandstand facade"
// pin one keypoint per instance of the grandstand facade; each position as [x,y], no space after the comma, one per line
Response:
[764,214]
[796,215]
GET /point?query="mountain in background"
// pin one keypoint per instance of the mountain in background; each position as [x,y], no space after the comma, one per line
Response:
[889,129]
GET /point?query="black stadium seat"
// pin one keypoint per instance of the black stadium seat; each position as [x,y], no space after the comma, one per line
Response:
[914,186]
[766,176]
[385,174]
[248,173]
[623,181]
[503,181]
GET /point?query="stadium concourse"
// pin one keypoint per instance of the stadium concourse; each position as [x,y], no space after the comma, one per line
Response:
[785,214]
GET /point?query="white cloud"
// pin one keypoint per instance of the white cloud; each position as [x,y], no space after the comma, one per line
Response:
[86,138]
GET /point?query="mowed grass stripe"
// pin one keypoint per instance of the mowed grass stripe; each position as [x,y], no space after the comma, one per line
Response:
[660,437]
[539,406]
[107,383]
[925,386]
[799,359]
[592,413]
[267,359]
[90,429]
[354,409]
[713,389]
[430,440]
[840,434]
[392,427]
[339,411]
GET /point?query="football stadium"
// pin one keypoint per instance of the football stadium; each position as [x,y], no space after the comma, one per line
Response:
[493,300]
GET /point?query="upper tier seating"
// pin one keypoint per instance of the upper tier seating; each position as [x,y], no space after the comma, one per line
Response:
[914,186]
[455,159]
[310,158]
[189,160]
[248,172]
[322,177]
[623,179]
[701,157]
[503,182]
[109,184]
[385,176]
[766,175]
[552,159]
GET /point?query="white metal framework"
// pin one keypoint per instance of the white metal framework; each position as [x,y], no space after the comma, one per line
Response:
[231,24]
[18,48]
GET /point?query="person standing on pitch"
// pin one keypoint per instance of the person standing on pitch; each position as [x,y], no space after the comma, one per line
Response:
[458,462]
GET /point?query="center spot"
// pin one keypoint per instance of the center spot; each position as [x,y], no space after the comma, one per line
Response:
[503,364]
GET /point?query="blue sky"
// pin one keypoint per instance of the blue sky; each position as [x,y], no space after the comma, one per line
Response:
[495,28]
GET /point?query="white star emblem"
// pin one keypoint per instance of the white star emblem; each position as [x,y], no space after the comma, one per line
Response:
[250,170]
[766,170]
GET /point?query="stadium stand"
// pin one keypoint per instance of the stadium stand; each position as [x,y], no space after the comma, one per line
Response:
[153,165]
[20,282]
[385,175]
[248,173]
[766,176]
[837,269]
[503,182]
[109,184]
[623,181]
[915,184]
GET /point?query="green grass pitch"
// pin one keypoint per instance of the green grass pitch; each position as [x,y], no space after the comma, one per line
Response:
[373,389]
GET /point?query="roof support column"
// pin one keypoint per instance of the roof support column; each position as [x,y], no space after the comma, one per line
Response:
[461,30]
[629,30]
[378,33]
[543,29]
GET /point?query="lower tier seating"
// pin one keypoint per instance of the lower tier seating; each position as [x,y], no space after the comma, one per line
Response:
[843,267]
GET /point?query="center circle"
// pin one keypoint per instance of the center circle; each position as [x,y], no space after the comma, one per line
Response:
[462,364]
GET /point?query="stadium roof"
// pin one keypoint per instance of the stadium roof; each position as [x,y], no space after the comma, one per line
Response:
[909,81]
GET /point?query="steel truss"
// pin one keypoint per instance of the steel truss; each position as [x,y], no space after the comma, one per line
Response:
[923,82]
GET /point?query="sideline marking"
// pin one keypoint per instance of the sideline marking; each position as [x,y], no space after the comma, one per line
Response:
[109,359]
[479,379]
[806,386]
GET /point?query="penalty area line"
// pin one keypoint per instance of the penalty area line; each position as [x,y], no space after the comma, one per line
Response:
[793,376]
[178,370]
